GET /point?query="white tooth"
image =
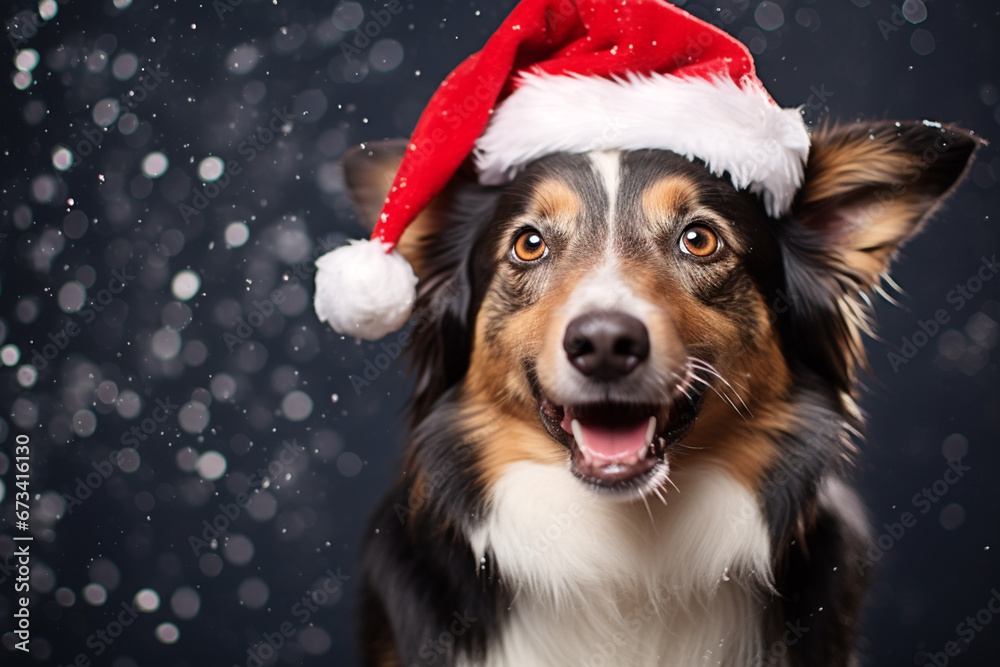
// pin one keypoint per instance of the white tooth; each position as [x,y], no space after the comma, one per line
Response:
[650,430]
[647,448]
[588,458]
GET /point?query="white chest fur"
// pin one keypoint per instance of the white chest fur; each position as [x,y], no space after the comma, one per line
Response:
[602,582]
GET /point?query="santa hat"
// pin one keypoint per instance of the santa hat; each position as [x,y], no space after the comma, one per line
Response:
[570,76]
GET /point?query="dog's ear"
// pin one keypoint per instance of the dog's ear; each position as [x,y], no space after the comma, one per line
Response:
[868,188]
[369,170]
[440,246]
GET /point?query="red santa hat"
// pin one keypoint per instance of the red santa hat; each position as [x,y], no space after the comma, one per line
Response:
[570,76]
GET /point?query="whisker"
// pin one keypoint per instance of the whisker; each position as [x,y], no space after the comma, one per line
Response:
[725,397]
[892,283]
[649,512]
[673,485]
[885,295]
[700,364]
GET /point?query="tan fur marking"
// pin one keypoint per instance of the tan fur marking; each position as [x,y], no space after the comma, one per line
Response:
[505,439]
[865,190]
[742,441]
[503,412]
[840,165]
[669,198]
[496,369]
[418,490]
[384,654]
[555,199]
[734,438]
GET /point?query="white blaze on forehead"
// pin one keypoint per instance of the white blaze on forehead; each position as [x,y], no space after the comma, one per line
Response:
[607,168]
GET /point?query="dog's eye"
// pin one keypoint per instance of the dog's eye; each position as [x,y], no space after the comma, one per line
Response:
[699,240]
[530,246]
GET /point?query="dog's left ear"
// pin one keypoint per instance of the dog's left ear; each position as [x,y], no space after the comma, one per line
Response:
[869,187]
[369,171]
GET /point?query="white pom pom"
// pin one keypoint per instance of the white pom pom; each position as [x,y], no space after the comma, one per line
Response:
[362,290]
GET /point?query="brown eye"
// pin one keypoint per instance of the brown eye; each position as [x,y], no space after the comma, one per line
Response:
[699,240]
[530,246]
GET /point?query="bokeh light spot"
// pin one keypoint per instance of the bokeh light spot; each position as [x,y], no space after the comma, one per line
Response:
[185,284]
[155,164]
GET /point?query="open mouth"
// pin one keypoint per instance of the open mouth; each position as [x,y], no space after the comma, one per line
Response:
[618,446]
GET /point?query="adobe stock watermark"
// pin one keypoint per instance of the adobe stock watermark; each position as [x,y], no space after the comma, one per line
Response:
[366,31]
[442,646]
[749,510]
[394,347]
[424,148]
[816,102]
[910,12]
[604,654]
[59,340]
[244,328]
[24,26]
[223,7]
[543,539]
[272,642]
[138,433]
[422,493]
[777,651]
[86,486]
[93,137]
[958,298]
[230,512]
[966,630]
[279,123]
[102,639]
[922,501]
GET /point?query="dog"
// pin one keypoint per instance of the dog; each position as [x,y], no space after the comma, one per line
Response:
[635,407]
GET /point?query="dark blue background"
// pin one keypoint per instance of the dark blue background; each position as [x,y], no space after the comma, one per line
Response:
[133,531]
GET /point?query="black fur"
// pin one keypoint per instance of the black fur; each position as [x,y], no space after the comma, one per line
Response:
[418,585]
[446,301]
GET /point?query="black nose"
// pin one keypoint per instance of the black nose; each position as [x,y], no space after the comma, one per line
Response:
[606,345]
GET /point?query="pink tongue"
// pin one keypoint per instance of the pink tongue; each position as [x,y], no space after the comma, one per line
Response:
[614,443]
[609,443]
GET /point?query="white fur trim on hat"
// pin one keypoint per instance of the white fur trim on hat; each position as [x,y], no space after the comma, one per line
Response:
[733,128]
[362,290]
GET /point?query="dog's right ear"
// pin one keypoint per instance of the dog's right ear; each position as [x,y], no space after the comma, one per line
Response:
[369,171]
